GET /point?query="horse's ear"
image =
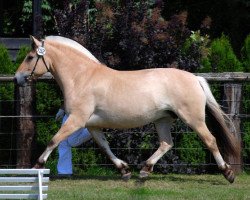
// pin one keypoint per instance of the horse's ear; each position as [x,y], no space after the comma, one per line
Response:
[34,42]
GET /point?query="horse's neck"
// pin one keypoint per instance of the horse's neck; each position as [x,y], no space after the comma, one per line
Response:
[66,70]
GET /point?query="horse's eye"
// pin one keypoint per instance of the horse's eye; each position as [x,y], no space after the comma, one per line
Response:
[29,58]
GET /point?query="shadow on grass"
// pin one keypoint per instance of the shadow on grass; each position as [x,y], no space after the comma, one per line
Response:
[140,182]
[184,179]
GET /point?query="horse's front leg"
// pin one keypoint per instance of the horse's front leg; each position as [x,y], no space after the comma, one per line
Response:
[69,127]
[100,139]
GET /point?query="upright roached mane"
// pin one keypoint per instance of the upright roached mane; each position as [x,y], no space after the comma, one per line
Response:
[96,97]
[72,44]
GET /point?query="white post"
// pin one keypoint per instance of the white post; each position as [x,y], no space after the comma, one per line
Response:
[40,177]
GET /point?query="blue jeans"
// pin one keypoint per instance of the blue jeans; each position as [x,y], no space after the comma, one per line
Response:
[64,164]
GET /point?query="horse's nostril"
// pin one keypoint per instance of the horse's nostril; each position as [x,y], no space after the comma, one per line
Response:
[20,79]
[15,80]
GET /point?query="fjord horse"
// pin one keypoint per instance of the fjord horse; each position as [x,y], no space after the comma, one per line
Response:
[97,97]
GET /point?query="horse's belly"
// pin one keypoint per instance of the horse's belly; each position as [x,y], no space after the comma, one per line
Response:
[105,120]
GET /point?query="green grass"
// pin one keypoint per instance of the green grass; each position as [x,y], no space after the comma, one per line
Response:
[163,187]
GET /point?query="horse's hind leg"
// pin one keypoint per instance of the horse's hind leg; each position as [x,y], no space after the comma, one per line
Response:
[196,120]
[100,139]
[163,127]
[210,142]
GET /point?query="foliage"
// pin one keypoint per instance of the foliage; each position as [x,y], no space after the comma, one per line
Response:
[49,98]
[246,54]
[201,44]
[48,101]
[7,67]
[26,17]
[192,149]
[222,57]
[227,16]
[246,123]
[45,131]
[246,139]
[131,35]
[5,61]
[21,55]
[6,103]
[86,158]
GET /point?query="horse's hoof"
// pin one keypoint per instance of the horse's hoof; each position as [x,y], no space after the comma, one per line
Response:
[143,174]
[126,176]
[38,166]
[228,173]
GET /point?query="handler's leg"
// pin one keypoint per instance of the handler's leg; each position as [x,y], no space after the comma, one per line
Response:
[100,138]
[79,137]
[64,164]
[163,127]
[70,126]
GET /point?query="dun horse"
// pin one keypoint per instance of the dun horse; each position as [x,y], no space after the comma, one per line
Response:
[97,97]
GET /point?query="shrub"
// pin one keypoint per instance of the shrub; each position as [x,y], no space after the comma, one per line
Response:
[6,104]
[246,54]
[197,45]
[222,57]
[5,61]
[21,55]
[129,35]
[192,149]
[246,141]
[6,90]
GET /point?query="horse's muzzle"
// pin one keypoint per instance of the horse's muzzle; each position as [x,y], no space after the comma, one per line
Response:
[21,78]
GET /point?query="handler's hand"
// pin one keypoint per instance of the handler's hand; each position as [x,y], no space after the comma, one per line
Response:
[59,114]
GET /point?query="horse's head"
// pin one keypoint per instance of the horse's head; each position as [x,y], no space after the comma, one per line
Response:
[35,64]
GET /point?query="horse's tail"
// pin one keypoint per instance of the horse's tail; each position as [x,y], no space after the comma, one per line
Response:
[218,124]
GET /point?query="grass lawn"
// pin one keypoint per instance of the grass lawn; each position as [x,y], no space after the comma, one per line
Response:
[171,186]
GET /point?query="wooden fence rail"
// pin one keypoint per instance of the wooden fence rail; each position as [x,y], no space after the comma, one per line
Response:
[225,77]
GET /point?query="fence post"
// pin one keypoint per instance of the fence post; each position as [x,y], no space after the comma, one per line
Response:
[24,104]
[232,102]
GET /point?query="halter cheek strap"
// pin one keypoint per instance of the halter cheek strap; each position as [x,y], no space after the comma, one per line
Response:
[40,54]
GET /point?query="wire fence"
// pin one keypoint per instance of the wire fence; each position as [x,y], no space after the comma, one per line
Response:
[136,145]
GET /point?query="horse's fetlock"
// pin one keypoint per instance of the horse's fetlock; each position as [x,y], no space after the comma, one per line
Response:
[39,165]
[147,167]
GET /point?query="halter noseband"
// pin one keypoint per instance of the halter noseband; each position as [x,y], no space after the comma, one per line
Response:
[40,51]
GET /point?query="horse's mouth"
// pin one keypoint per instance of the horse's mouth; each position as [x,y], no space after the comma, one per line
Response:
[22,78]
